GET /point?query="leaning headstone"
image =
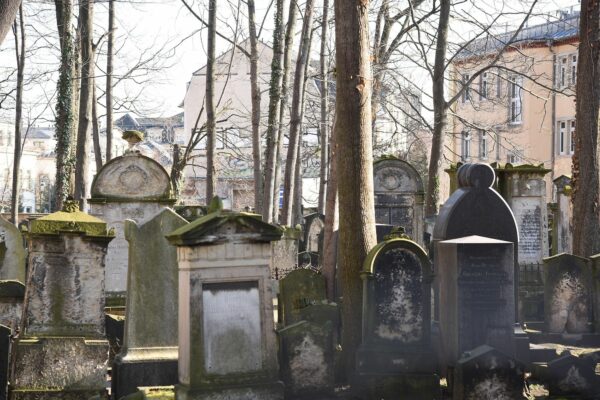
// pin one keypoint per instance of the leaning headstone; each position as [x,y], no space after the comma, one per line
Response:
[134,187]
[227,343]
[12,252]
[561,229]
[485,373]
[573,376]
[568,287]
[149,353]
[299,289]
[399,196]
[395,354]
[62,352]
[476,295]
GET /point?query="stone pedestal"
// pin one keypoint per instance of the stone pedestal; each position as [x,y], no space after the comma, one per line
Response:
[476,295]
[62,352]
[227,343]
[149,353]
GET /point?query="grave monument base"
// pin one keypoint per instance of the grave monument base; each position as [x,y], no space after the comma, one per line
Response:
[150,367]
[268,391]
[397,386]
[59,368]
[373,358]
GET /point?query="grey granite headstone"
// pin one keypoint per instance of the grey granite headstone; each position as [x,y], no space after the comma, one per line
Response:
[568,287]
[399,196]
[149,353]
[12,262]
[133,187]
[476,295]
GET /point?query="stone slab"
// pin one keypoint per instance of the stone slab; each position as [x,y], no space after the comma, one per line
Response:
[128,376]
[13,254]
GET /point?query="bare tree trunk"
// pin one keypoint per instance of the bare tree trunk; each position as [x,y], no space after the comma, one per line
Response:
[355,169]
[211,129]
[324,123]
[109,77]
[273,118]
[8,13]
[86,8]
[96,129]
[64,103]
[20,55]
[440,108]
[255,91]
[297,211]
[331,222]
[77,75]
[296,116]
[586,169]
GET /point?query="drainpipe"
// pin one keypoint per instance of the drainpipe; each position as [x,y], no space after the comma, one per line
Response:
[553,154]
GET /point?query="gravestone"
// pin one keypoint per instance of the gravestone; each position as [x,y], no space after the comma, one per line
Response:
[485,373]
[569,375]
[5,333]
[568,286]
[149,353]
[313,237]
[134,187]
[11,303]
[227,343]
[13,253]
[396,345]
[63,352]
[399,196]
[298,290]
[561,229]
[285,252]
[476,295]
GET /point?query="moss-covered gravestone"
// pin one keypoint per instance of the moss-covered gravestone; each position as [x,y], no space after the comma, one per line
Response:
[62,352]
[12,252]
[396,354]
[149,353]
[298,290]
[574,376]
[133,187]
[568,288]
[227,344]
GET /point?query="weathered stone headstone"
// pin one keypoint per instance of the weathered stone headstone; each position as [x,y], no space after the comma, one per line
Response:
[134,187]
[313,237]
[399,196]
[485,373]
[561,229]
[11,303]
[149,353]
[5,333]
[476,295]
[13,253]
[299,289]
[63,351]
[285,252]
[227,343]
[568,286]
[573,376]
[396,322]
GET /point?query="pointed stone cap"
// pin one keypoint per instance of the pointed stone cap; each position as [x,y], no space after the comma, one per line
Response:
[205,230]
[70,219]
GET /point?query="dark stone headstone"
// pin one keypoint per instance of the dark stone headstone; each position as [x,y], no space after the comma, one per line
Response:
[298,290]
[568,287]
[573,376]
[476,295]
[4,359]
[485,373]
[382,231]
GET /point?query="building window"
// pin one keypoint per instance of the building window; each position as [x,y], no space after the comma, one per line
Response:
[483,86]
[566,137]
[498,85]
[572,137]
[466,145]
[513,157]
[562,136]
[516,101]
[466,94]
[562,75]
[573,69]
[483,145]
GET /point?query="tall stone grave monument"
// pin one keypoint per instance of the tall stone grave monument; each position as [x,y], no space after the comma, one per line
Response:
[227,343]
[399,196]
[134,187]
[476,295]
[62,352]
[563,214]
[12,252]
[396,355]
[149,353]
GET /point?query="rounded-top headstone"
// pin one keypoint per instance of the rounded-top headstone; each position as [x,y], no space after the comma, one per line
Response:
[132,177]
[480,176]
[394,175]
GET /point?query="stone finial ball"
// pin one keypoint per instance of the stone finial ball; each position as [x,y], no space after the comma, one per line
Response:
[476,175]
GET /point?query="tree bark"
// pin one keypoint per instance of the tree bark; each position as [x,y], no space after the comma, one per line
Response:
[324,123]
[296,116]
[330,230]
[8,13]
[64,102]
[440,108]
[255,92]
[211,129]
[586,169]
[86,9]
[18,150]
[355,169]
[273,118]
[96,129]
[109,77]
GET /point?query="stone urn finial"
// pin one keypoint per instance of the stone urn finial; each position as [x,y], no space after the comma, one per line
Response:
[216,204]
[133,137]
[397,232]
[70,206]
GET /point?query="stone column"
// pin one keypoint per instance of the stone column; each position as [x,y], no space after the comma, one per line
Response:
[563,241]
